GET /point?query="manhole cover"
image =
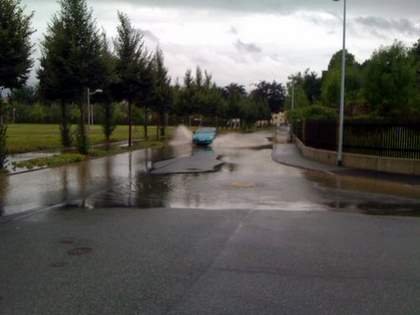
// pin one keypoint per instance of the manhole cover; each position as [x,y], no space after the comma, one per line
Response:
[79,251]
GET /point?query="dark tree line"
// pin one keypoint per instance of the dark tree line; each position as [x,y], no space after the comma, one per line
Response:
[200,96]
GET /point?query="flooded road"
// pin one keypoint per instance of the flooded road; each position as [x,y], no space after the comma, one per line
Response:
[247,179]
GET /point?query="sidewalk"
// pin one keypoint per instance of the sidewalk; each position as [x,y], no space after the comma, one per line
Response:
[289,155]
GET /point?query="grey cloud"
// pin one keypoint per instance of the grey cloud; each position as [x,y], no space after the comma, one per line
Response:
[250,48]
[378,7]
[150,35]
[382,25]
[233,30]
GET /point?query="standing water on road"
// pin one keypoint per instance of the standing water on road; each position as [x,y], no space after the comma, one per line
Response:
[181,136]
[248,179]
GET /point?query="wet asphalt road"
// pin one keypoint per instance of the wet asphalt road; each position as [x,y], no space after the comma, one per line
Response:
[248,179]
[254,237]
[188,261]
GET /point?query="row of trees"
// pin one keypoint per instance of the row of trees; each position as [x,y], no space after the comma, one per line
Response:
[77,58]
[199,95]
[386,86]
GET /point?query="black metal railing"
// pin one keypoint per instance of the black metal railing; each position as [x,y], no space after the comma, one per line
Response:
[387,139]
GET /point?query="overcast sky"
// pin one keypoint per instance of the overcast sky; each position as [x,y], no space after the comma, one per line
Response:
[248,40]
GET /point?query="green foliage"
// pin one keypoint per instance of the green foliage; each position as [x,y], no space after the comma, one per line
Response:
[15,48]
[109,122]
[66,134]
[233,94]
[312,86]
[301,99]
[52,161]
[248,112]
[25,95]
[331,86]
[273,93]
[71,61]
[15,53]
[162,93]
[3,147]
[134,69]
[109,61]
[185,99]
[391,82]
[335,62]
[314,112]
[132,60]
[38,113]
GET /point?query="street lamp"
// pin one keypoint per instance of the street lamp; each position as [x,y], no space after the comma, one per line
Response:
[89,106]
[343,87]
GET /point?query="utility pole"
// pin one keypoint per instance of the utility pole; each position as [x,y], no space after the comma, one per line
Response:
[343,89]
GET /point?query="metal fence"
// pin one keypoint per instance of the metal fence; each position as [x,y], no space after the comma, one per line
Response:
[387,139]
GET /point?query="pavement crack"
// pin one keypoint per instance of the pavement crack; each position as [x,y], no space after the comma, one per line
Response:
[212,263]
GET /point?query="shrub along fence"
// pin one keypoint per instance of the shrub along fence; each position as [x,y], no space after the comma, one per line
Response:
[385,139]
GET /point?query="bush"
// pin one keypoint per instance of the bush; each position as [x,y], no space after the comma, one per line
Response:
[314,112]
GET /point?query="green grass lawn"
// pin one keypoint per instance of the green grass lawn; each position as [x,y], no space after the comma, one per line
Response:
[34,137]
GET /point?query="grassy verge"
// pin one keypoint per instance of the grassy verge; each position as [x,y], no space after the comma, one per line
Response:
[51,161]
[72,157]
[35,137]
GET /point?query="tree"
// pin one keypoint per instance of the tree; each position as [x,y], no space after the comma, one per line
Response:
[233,95]
[335,62]
[26,95]
[331,85]
[53,74]
[273,93]
[234,89]
[15,52]
[416,55]
[312,86]
[391,83]
[133,61]
[162,94]
[300,97]
[72,56]
[109,62]
[21,100]
[16,47]
[184,104]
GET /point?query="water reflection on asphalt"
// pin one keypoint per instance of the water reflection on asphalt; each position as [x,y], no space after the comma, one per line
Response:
[248,179]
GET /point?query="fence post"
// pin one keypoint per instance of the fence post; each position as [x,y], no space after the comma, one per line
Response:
[304,131]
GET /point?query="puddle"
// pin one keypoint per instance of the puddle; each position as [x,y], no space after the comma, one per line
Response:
[247,178]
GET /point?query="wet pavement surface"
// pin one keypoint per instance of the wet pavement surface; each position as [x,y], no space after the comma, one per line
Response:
[190,261]
[242,176]
[251,237]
